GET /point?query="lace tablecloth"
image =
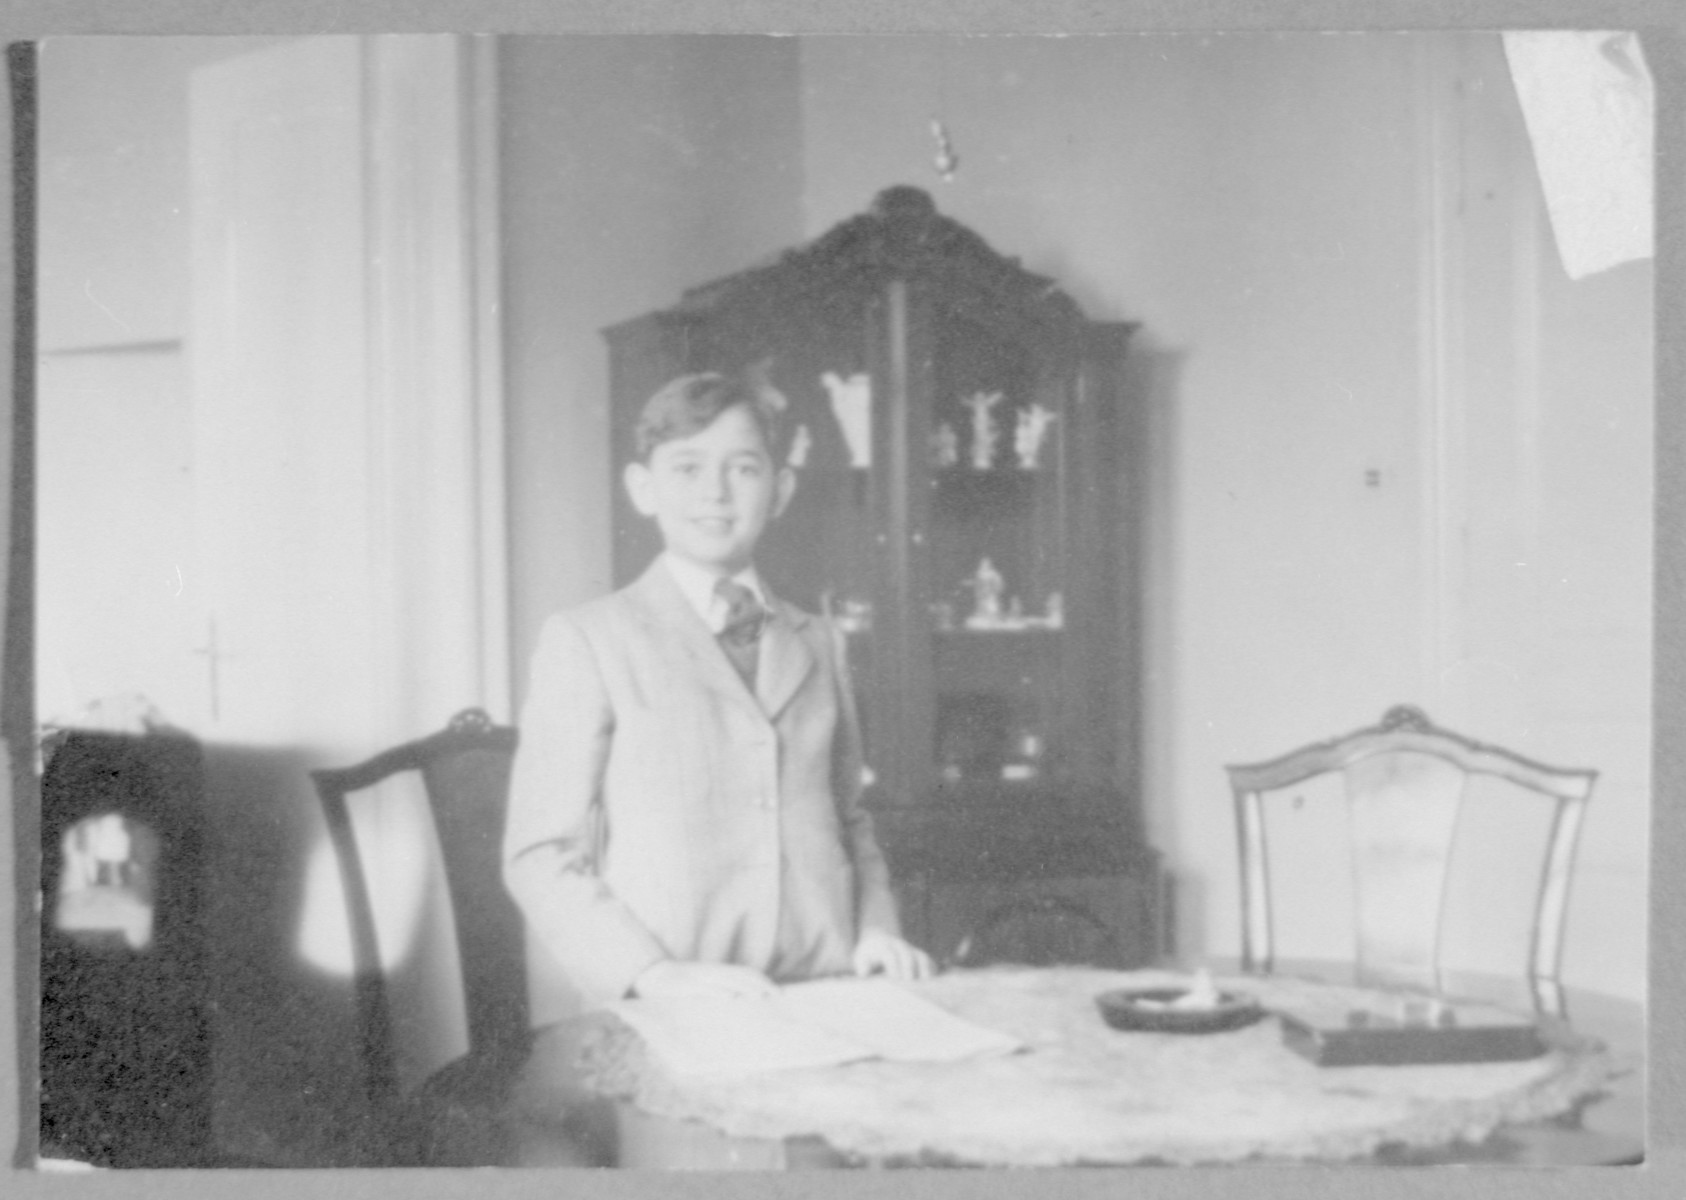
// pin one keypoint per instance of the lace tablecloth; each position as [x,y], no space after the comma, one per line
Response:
[1084,1093]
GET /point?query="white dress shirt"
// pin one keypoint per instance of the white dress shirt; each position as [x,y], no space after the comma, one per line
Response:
[698,585]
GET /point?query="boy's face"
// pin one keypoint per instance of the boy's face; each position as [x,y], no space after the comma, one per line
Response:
[712,494]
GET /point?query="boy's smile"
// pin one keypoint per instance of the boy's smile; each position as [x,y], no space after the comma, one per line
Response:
[713,493]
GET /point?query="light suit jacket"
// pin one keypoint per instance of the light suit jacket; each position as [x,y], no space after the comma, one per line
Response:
[660,808]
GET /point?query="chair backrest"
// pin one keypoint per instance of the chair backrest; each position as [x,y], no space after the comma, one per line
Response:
[1406,785]
[465,769]
[1039,931]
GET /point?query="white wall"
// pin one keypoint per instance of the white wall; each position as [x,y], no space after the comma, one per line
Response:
[633,167]
[1550,517]
[1319,301]
[117,585]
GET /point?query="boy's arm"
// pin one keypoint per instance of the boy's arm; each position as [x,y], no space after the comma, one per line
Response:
[875,904]
[550,835]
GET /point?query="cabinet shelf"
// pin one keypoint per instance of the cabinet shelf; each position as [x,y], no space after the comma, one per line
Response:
[1005,476]
[965,661]
[1015,832]
[985,497]
[1036,636]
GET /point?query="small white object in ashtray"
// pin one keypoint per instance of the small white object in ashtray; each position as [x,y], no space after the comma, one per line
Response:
[1201,1008]
[1202,995]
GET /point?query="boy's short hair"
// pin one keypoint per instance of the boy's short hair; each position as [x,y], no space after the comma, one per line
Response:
[690,403]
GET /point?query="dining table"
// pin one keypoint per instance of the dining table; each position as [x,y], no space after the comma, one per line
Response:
[1079,1092]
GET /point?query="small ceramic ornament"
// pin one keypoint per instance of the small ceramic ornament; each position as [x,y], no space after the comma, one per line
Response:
[945,447]
[851,402]
[984,432]
[988,587]
[1031,432]
[801,444]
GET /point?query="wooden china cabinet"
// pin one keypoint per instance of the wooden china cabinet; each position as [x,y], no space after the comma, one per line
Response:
[964,463]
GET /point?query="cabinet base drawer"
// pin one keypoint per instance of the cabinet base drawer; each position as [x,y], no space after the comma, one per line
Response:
[1096,920]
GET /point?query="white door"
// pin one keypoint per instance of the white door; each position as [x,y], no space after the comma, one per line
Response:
[341,487]
[277,347]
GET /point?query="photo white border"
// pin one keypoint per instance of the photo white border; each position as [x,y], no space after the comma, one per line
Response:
[1663,22]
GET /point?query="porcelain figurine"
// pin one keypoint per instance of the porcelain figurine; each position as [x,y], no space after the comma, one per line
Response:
[1031,433]
[851,401]
[1055,615]
[988,587]
[801,445]
[984,432]
[945,447]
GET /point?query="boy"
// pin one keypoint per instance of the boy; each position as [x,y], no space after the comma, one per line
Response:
[684,811]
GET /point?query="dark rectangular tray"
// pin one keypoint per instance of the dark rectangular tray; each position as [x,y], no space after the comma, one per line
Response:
[1400,1045]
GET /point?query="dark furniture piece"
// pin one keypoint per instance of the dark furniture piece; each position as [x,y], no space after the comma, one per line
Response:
[462,1114]
[125,1041]
[967,511]
[1406,784]
[1039,931]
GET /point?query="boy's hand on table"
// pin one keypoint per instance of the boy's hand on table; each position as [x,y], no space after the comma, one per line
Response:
[878,952]
[670,977]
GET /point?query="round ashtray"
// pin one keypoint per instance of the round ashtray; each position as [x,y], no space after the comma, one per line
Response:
[1153,1010]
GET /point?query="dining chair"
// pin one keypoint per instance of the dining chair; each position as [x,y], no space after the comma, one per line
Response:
[1039,930]
[1408,788]
[459,1115]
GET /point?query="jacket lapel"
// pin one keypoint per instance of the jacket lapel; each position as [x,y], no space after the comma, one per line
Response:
[786,659]
[675,623]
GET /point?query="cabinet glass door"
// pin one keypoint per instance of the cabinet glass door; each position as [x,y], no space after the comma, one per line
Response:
[994,559]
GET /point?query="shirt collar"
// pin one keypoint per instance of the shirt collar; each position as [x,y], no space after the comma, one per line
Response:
[697,585]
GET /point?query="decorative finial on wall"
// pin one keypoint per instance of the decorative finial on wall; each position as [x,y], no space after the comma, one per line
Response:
[947,162]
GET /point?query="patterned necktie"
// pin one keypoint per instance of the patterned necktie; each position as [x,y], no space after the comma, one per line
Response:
[741,635]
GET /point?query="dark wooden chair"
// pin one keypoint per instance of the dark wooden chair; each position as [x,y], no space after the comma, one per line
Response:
[1039,930]
[461,1114]
[1409,788]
